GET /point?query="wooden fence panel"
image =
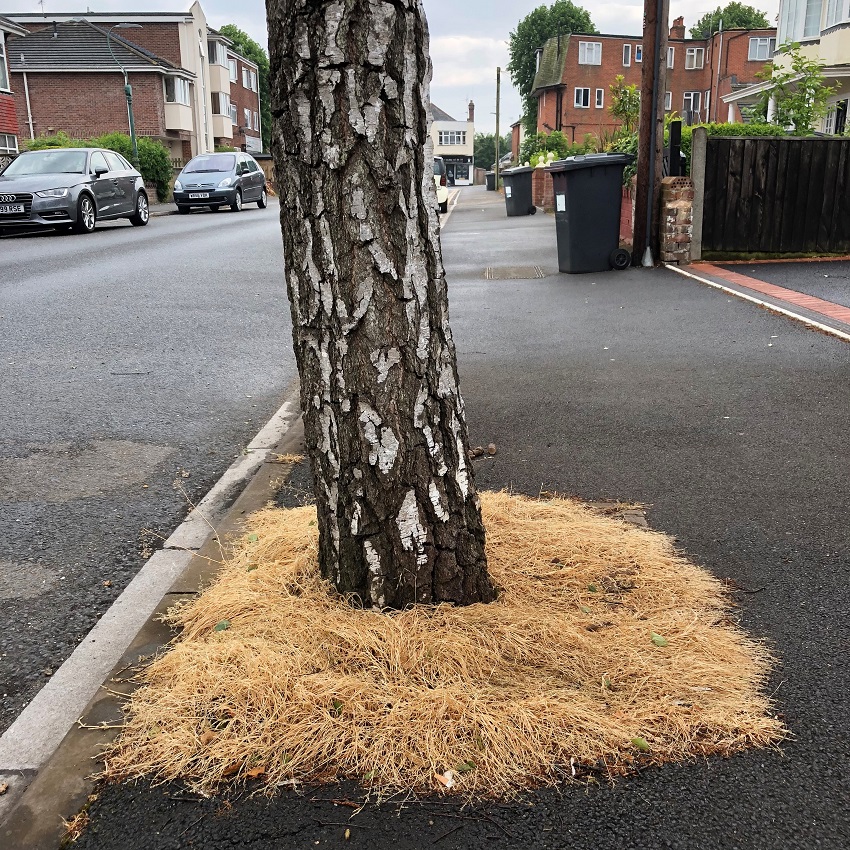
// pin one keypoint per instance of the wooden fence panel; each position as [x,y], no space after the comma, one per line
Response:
[777,195]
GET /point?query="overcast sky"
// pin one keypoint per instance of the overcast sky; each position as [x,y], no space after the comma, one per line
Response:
[468,38]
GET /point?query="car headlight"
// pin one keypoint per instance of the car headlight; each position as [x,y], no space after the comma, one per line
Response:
[53,193]
[178,186]
[225,183]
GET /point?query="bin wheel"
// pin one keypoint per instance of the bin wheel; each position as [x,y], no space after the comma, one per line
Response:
[620,259]
[532,210]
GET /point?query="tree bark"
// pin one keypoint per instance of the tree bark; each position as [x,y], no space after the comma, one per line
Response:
[399,518]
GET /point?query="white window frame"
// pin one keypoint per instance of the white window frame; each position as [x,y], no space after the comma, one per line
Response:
[233,67]
[247,113]
[582,98]
[253,80]
[694,58]
[668,101]
[256,121]
[761,45]
[836,12]
[600,98]
[448,138]
[8,143]
[182,95]
[671,56]
[590,53]
[707,103]
[829,120]
[627,55]
[690,96]
[246,78]
[234,113]
[638,53]
[223,99]
[5,82]
[216,53]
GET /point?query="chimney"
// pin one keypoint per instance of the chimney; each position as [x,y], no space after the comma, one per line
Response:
[471,115]
[678,28]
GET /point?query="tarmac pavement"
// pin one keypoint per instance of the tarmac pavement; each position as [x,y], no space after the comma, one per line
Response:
[729,421]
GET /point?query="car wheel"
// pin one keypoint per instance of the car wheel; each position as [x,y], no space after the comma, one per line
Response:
[264,199]
[86,215]
[444,207]
[236,206]
[143,213]
[183,210]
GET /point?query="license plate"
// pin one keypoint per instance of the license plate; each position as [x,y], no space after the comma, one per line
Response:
[8,209]
[193,195]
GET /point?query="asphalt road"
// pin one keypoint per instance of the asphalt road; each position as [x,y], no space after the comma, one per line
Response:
[135,364]
[827,280]
[730,423]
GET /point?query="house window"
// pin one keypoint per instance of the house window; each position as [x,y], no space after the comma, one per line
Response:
[627,55]
[761,49]
[234,76]
[176,90]
[707,101]
[246,78]
[247,119]
[452,137]
[600,98]
[829,121]
[233,113]
[582,100]
[220,103]
[638,53]
[256,121]
[590,53]
[253,80]
[8,144]
[671,55]
[694,58]
[836,10]
[216,53]
[692,101]
[811,25]
[4,73]
[668,101]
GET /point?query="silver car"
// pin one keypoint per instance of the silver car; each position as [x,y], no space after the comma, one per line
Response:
[71,188]
[215,180]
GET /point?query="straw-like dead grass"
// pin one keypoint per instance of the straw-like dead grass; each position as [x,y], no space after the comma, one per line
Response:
[605,649]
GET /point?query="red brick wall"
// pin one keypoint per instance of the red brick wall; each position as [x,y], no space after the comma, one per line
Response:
[8,118]
[85,105]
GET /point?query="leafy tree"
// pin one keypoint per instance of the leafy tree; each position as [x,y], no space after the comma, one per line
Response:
[799,90]
[625,103]
[532,32]
[485,148]
[247,47]
[399,518]
[734,15]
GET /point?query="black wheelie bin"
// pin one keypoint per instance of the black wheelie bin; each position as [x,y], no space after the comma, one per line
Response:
[588,195]
[517,182]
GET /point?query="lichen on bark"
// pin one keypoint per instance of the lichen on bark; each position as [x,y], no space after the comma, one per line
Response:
[398,514]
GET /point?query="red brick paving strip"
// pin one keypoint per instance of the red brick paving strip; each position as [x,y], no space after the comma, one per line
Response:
[809,302]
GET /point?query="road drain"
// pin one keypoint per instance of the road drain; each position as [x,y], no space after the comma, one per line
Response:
[513,273]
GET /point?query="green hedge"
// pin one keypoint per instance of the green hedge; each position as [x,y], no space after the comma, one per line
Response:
[728,130]
[154,159]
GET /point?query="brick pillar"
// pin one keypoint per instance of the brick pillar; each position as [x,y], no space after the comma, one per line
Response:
[538,184]
[677,201]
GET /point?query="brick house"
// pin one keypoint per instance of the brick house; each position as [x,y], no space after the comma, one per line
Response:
[181,71]
[244,102]
[9,126]
[575,71]
[454,141]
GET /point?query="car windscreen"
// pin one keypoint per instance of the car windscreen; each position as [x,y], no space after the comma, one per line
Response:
[219,162]
[47,162]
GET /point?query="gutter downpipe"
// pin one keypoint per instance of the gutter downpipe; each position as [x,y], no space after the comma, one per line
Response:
[719,64]
[647,261]
[29,107]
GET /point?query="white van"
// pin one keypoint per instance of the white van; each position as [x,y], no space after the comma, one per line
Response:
[442,184]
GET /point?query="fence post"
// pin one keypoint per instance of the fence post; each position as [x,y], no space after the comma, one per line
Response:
[699,141]
[675,149]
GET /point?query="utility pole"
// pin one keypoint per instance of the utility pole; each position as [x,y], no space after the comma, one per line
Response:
[498,96]
[650,131]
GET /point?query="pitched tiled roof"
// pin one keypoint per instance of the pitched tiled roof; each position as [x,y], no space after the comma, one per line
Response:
[552,60]
[80,45]
[439,115]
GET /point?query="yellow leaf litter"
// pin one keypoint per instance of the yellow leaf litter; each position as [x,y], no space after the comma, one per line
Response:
[560,675]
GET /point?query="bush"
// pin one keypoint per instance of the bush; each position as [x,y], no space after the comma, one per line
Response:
[728,130]
[154,159]
[556,142]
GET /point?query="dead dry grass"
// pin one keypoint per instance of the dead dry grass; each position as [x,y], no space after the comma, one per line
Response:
[604,650]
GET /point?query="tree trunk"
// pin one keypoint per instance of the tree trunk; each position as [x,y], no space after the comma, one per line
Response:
[399,517]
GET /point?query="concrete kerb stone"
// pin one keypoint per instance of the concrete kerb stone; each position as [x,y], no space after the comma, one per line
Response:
[39,747]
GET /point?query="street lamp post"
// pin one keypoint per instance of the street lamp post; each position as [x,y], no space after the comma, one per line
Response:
[128,89]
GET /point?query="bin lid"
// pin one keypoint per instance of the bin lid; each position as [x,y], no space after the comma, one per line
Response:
[520,169]
[589,160]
